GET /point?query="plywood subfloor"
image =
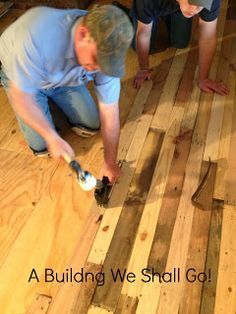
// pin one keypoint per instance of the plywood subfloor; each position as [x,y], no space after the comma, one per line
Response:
[169,131]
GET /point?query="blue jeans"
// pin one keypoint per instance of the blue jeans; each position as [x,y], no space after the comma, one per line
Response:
[75,102]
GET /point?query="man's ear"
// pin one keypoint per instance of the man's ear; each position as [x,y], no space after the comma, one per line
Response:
[81,32]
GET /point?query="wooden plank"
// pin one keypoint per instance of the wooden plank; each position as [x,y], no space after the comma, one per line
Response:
[149,297]
[97,310]
[111,216]
[212,259]
[158,83]
[225,301]
[87,288]
[229,179]
[192,106]
[121,245]
[131,124]
[166,102]
[127,305]
[192,291]
[147,226]
[225,139]
[39,305]
[217,111]
[160,246]
[171,294]
[187,81]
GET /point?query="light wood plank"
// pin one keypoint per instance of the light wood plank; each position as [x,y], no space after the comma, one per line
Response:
[225,301]
[230,173]
[218,106]
[224,145]
[171,294]
[146,230]
[166,102]
[97,310]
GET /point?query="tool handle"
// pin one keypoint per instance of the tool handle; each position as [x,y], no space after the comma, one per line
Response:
[67,158]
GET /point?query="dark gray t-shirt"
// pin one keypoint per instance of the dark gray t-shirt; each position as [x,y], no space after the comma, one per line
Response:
[147,10]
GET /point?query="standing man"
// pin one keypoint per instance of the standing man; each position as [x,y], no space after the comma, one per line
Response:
[178,16]
[53,53]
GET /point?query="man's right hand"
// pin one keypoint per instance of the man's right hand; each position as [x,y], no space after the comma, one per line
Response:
[140,77]
[58,147]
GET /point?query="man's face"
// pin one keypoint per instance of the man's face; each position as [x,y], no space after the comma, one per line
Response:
[86,49]
[187,9]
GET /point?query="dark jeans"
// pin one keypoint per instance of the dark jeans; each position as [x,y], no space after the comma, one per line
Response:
[179,31]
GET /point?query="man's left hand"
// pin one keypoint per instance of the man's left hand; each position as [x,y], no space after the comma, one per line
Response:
[113,172]
[210,86]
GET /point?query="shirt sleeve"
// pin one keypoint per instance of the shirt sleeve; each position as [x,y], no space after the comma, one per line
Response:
[143,11]
[209,16]
[107,88]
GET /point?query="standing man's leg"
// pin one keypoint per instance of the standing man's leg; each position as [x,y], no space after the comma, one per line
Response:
[179,28]
[79,107]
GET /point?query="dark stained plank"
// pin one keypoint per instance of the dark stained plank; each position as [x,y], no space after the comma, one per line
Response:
[197,251]
[170,203]
[126,305]
[39,305]
[88,286]
[120,249]
[212,259]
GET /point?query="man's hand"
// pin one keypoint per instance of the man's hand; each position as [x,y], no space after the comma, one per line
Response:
[210,86]
[113,172]
[58,147]
[141,76]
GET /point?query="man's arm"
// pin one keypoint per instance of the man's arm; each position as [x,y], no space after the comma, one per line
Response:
[110,128]
[25,107]
[143,37]
[207,45]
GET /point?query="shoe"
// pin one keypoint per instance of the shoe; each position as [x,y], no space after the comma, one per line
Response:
[84,132]
[41,153]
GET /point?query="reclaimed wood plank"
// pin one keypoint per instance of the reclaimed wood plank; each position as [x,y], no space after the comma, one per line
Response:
[87,289]
[121,245]
[197,251]
[218,106]
[166,102]
[225,139]
[126,305]
[212,259]
[39,305]
[229,179]
[147,226]
[160,246]
[171,294]
[225,301]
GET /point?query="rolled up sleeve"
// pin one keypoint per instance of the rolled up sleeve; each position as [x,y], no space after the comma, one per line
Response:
[107,88]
